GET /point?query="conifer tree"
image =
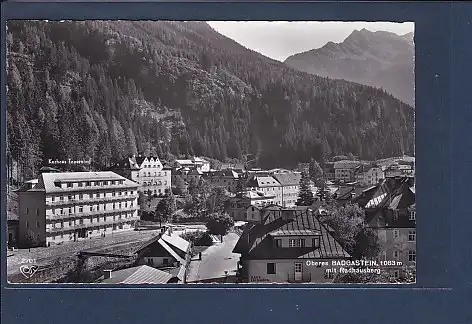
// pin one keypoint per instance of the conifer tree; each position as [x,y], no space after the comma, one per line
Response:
[305,195]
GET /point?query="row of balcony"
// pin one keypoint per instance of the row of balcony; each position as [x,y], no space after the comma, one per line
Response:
[55,217]
[90,200]
[91,225]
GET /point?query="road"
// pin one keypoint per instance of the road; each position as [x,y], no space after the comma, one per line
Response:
[217,259]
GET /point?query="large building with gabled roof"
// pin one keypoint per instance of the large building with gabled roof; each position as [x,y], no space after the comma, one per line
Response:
[61,207]
[153,178]
[286,245]
[390,209]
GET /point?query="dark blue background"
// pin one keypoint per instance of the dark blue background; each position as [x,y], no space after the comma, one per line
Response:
[443,40]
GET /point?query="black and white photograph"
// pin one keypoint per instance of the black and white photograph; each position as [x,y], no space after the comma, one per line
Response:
[198,152]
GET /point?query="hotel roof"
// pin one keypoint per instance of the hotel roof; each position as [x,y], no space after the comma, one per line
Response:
[139,275]
[49,182]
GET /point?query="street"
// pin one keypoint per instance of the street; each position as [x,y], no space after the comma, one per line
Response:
[217,259]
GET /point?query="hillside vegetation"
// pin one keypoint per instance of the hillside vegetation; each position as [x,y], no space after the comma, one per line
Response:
[103,89]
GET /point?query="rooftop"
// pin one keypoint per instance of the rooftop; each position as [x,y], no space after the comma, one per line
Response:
[48,182]
[256,240]
[139,275]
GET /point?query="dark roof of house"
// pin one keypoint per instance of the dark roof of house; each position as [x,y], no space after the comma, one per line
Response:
[288,179]
[256,242]
[139,275]
[344,193]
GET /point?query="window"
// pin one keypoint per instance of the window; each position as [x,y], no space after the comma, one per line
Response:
[329,274]
[316,242]
[80,184]
[62,224]
[396,233]
[81,221]
[90,196]
[62,211]
[271,268]
[26,224]
[97,195]
[412,216]
[27,211]
[396,274]
[412,256]
[296,242]
[396,254]
[69,185]
[52,198]
[70,210]
[81,196]
[81,209]
[395,214]
[37,212]
[166,261]
[70,223]
[87,184]
[278,243]
[412,236]
[150,261]
[113,205]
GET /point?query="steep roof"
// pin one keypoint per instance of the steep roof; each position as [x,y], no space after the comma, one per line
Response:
[139,275]
[256,240]
[288,179]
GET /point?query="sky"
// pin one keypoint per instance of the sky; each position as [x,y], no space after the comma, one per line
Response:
[280,39]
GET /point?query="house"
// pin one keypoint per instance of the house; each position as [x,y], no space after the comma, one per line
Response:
[137,275]
[227,179]
[399,170]
[198,163]
[288,245]
[166,251]
[289,186]
[369,174]
[329,171]
[62,207]
[147,171]
[248,205]
[390,210]
[344,195]
[345,170]
[267,185]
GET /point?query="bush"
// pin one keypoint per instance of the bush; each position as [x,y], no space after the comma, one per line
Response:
[198,238]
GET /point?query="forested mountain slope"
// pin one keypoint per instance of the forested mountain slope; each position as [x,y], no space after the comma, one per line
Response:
[102,90]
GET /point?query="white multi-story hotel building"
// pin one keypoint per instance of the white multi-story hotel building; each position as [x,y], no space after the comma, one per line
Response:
[148,172]
[63,207]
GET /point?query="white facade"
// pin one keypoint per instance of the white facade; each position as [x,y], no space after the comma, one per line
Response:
[65,207]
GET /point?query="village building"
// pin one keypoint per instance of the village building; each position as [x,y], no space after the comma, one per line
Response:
[369,174]
[248,205]
[267,185]
[194,163]
[66,206]
[168,252]
[345,170]
[227,179]
[289,186]
[390,210]
[288,245]
[329,171]
[153,178]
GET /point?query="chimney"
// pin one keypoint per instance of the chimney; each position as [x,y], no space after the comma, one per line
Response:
[107,274]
